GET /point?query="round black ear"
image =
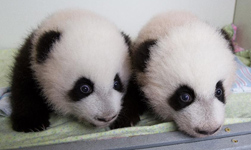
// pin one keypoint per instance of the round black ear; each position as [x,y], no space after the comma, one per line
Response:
[45,43]
[142,54]
[228,38]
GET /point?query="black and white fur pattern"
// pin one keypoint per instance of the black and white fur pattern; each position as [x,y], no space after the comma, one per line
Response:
[75,63]
[184,70]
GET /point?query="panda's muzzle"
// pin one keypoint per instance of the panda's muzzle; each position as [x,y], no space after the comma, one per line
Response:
[206,132]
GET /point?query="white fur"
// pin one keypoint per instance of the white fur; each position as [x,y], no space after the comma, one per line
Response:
[92,47]
[190,52]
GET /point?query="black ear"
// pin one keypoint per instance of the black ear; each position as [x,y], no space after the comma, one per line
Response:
[142,54]
[127,41]
[227,37]
[45,43]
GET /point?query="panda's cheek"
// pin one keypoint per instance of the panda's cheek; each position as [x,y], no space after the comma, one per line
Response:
[184,122]
[189,117]
[115,101]
[86,107]
[218,111]
[183,118]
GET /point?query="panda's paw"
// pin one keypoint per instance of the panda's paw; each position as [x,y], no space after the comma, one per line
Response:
[125,121]
[25,125]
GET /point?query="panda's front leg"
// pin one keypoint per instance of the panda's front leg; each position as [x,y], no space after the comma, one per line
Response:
[29,111]
[30,122]
[133,106]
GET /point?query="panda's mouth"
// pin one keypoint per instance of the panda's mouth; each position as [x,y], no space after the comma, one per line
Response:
[204,132]
[103,121]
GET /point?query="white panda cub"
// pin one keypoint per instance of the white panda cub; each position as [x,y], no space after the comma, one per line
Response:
[75,63]
[184,70]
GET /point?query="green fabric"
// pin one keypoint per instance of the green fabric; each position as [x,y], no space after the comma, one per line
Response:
[6,61]
[229,29]
[245,57]
[65,129]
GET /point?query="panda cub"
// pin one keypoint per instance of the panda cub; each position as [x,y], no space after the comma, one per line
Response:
[75,63]
[184,70]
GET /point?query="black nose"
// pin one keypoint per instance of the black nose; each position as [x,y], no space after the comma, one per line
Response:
[206,132]
[105,119]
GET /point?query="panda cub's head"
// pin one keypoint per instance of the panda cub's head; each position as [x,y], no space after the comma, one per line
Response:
[185,69]
[81,62]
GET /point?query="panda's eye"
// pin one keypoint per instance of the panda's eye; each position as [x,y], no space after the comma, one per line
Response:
[218,92]
[117,85]
[86,89]
[185,97]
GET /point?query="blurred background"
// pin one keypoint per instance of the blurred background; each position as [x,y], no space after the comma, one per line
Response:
[19,18]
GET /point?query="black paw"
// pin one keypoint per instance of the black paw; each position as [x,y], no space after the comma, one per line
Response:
[30,125]
[125,121]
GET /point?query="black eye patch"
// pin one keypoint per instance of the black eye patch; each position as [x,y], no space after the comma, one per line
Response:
[220,92]
[182,97]
[83,87]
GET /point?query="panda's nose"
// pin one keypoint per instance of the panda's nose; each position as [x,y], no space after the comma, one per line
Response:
[105,119]
[205,132]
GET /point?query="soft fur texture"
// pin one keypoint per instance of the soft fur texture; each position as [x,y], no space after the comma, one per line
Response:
[71,52]
[188,60]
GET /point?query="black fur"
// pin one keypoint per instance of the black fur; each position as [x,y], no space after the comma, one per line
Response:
[135,103]
[142,55]
[221,97]
[227,37]
[45,44]
[75,94]
[175,101]
[133,106]
[127,41]
[29,110]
